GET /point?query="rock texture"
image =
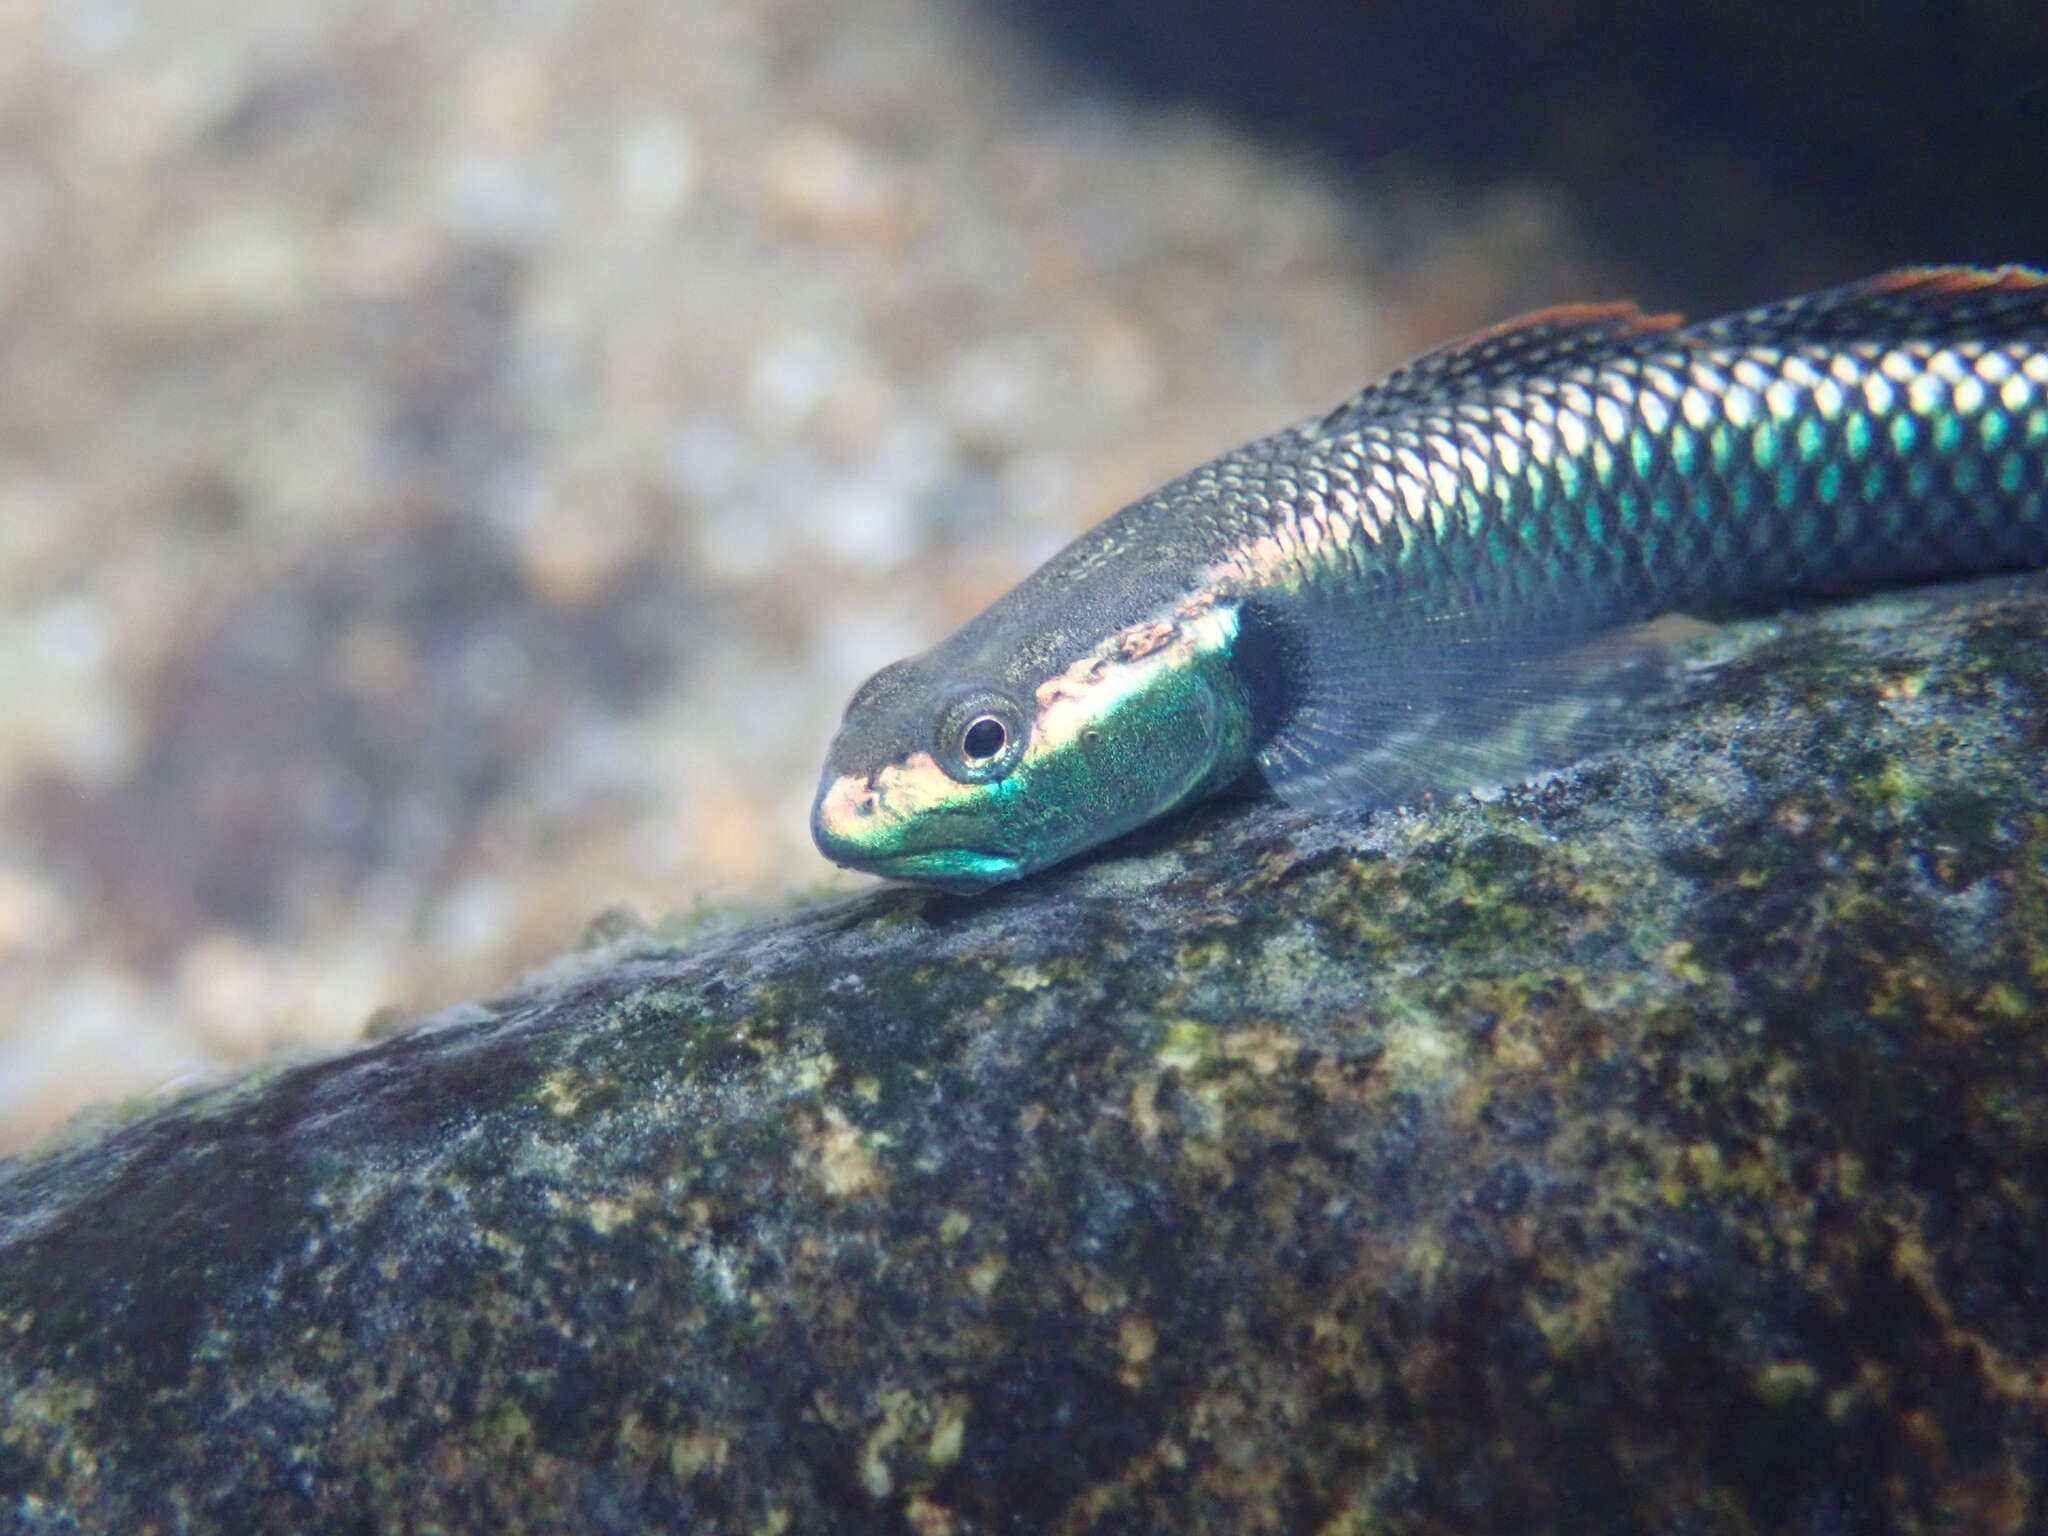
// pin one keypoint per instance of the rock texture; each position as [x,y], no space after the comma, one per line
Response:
[1662,1148]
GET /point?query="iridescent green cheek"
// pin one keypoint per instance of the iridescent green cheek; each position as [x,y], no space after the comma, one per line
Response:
[1130,748]
[1137,745]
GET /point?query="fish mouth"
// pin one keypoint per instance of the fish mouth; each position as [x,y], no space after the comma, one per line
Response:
[962,867]
[970,869]
[848,830]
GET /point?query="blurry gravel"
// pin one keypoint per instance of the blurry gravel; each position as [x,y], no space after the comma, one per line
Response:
[456,460]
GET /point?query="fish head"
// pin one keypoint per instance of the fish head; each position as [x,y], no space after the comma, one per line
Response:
[964,769]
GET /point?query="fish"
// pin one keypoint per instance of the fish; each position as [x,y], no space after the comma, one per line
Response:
[1444,583]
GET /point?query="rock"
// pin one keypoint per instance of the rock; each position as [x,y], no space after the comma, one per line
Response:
[1660,1148]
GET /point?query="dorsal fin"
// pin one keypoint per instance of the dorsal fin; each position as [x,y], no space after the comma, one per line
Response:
[1906,304]
[1546,339]
[1928,303]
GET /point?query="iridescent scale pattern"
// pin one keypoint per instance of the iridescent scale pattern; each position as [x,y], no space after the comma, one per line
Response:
[1679,476]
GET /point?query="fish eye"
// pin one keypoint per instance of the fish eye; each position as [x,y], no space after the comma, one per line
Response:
[983,739]
[980,736]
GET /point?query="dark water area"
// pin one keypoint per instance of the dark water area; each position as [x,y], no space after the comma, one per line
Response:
[1717,153]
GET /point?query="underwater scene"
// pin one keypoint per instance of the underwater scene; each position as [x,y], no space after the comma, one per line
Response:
[1008,766]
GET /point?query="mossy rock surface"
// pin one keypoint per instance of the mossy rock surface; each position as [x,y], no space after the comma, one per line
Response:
[1661,1148]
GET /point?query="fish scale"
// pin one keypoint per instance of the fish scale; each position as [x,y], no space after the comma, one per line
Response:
[1441,583]
[1629,519]
[1681,473]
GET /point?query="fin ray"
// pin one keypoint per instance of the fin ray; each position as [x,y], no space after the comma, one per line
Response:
[1450,703]
[1923,303]
[1937,304]
[1545,339]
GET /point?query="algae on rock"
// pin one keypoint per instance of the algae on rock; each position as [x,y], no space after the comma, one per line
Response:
[1661,1147]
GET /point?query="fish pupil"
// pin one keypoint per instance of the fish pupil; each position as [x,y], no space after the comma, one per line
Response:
[983,739]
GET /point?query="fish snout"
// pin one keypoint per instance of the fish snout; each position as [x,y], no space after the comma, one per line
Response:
[846,818]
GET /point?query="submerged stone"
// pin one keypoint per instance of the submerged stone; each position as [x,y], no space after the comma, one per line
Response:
[1663,1147]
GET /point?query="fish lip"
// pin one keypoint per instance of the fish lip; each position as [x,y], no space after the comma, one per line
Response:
[941,866]
[938,864]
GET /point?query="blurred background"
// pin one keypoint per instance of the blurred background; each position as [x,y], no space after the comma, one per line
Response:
[455,460]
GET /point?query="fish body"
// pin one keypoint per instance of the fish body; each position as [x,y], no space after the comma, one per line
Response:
[1408,594]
